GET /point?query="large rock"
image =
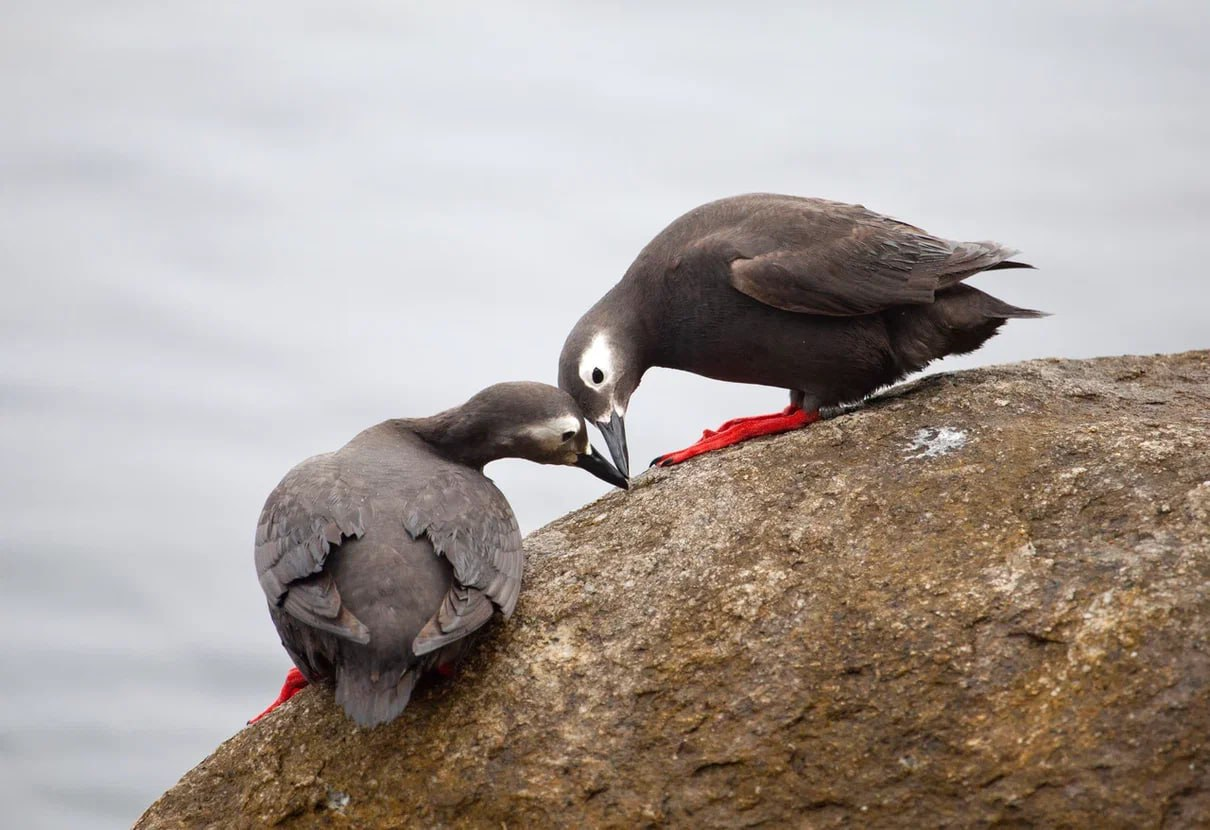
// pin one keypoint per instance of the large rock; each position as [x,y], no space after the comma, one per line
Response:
[982,600]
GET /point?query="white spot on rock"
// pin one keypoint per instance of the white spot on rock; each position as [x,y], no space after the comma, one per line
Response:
[933,442]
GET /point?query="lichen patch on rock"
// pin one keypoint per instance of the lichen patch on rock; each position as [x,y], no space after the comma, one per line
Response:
[932,442]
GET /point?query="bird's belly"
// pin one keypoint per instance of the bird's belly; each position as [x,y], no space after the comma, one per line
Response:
[832,359]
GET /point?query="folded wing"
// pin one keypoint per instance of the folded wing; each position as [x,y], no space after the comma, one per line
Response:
[818,257]
[470,523]
[307,515]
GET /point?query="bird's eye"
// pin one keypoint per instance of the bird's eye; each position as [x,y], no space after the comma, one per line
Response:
[597,376]
[567,436]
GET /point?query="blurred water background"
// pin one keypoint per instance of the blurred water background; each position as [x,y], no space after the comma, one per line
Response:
[233,234]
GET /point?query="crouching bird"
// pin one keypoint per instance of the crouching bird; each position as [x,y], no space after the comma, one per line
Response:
[828,300]
[379,558]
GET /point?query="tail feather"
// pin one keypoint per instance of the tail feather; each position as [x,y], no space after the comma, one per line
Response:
[371,703]
[1008,263]
[992,307]
[960,320]
[969,258]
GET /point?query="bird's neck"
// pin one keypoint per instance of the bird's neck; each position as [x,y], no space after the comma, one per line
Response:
[631,321]
[457,436]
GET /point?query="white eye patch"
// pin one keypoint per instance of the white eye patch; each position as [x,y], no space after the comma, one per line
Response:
[551,432]
[596,363]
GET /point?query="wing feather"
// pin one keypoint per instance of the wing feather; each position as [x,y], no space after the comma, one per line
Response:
[819,257]
[308,514]
[470,523]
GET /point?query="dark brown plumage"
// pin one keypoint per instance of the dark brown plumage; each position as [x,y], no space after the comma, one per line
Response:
[828,300]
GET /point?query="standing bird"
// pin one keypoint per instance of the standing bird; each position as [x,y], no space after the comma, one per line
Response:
[828,300]
[379,558]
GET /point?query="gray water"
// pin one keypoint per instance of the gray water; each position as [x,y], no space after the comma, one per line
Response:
[233,234]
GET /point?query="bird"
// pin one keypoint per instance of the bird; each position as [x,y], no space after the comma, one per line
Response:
[828,300]
[378,559]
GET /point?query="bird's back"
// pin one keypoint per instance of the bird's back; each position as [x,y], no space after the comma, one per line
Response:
[808,294]
[390,581]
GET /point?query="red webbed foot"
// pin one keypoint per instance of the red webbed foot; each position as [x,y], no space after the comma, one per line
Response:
[295,683]
[741,429]
[751,420]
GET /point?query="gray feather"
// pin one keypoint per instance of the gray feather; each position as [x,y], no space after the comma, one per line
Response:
[471,524]
[462,611]
[819,257]
[311,511]
[369,702]
[378,559]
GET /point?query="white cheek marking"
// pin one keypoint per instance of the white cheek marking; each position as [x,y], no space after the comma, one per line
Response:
[551,432]
[598,355]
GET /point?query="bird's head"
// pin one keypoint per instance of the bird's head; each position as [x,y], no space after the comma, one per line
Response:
[600,372]
[539,423]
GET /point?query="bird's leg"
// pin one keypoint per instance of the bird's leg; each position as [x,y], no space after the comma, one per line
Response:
[741,429]
[295,683]
[448,660]
[751,419]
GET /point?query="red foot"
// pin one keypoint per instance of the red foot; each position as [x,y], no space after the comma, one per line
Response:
[741,429]
[751,420]
[295,683]
[446,670]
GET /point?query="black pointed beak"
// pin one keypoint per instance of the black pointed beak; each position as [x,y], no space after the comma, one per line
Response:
[595,463]
[614,432]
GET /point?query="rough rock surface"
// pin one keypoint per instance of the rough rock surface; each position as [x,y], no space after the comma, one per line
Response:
[983,600]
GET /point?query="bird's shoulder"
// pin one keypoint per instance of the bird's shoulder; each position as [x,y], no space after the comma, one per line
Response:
[369,481]
[458,507]
[317,504]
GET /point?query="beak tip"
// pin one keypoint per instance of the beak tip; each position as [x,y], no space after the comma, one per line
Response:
[595,463]
[614,433]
